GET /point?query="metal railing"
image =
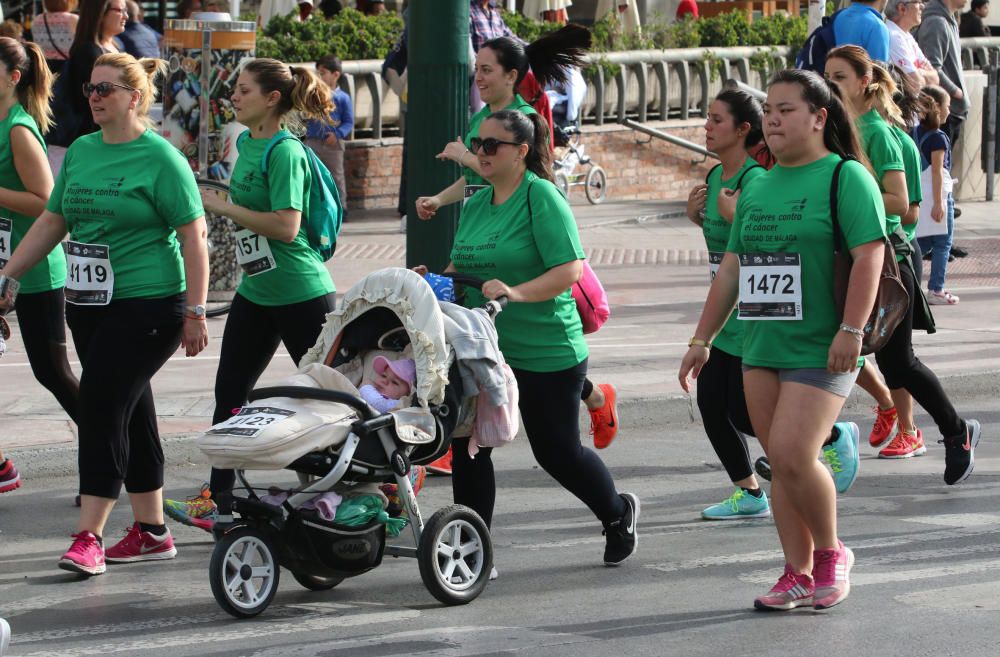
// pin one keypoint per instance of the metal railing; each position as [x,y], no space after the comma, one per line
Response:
[648,84]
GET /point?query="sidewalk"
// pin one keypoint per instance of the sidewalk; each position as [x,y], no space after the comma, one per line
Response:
[652,262]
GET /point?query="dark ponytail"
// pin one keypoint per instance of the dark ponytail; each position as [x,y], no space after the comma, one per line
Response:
[530,129]
[548,57]
[839,135]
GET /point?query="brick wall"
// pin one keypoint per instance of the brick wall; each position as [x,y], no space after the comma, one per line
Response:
[638,167]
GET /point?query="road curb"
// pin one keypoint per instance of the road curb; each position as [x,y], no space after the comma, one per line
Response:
[180,449]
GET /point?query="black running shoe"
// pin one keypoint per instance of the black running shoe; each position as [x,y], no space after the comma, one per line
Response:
[959,252]
[622,537]
[763,468]
[927,255]
[958,212]
[959,453]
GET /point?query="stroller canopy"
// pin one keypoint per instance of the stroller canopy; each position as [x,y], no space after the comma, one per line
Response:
[408,295]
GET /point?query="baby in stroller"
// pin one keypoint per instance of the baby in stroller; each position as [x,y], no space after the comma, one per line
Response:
[330,432]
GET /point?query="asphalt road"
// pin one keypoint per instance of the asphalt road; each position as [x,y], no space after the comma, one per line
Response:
[927,579]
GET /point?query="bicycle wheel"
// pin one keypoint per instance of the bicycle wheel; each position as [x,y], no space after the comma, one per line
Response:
[224,273]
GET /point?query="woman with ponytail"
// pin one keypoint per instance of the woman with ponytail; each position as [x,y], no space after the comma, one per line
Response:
[125,196]
[286,290]
[25,185]
[732,128]
[797,372]
[519,235]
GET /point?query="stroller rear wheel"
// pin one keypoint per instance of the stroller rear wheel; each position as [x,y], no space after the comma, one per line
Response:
[455,555]
[317,583]
[244,572]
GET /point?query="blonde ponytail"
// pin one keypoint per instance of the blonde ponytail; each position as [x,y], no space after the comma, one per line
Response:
[34,90]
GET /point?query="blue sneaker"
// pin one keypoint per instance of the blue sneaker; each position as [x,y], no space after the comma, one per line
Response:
[842,455]
[739,505]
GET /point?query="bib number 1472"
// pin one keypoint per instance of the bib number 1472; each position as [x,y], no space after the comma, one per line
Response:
[770,286]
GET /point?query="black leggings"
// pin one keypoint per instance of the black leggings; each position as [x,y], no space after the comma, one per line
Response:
[724,413]
[550,412]
[902,369]
[251,337]
[121,346]
[917,260]
[41,317]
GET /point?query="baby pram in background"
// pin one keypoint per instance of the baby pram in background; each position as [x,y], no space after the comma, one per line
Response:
[328,435]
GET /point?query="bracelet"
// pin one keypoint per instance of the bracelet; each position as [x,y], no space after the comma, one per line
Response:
[195,317]
[697,342]
[856,332]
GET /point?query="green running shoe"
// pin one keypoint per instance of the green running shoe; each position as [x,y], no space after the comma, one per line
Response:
[842,455]
[740,505]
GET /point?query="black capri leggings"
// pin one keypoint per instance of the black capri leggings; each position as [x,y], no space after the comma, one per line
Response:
[121,346]
[41,318]
[724,413]
[550,412]
[902,369]
[251,337]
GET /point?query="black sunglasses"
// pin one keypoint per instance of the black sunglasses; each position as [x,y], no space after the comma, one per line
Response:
[489,145]
[103,89]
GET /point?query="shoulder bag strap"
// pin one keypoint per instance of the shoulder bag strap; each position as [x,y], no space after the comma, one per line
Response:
[739,183]
[45,21]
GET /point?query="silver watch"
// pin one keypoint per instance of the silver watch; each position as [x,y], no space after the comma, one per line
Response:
[198,311]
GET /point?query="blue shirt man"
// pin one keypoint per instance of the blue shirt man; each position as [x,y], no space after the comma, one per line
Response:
[862,24]
[139,39]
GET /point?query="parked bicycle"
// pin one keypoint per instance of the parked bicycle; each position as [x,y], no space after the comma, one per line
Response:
[594,181]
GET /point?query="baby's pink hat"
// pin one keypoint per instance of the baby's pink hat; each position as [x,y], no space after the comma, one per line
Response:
[404,368]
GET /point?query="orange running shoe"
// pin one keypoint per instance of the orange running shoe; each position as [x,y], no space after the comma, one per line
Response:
[604,420]
[885,422]
[442,466]
[904,445]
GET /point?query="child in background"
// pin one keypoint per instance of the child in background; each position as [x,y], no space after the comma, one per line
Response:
[935,156]
[393,381]
[328,140]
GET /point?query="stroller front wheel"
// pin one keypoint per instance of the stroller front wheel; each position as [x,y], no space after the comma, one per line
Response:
[243,572]
[455,555]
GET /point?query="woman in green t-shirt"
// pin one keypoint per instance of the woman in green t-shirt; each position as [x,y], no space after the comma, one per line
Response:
[124,195]
[25,185]
[800,354]
[286,290]
[733,126]
[500,240]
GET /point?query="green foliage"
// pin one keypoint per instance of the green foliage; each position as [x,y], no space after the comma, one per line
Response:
[348,35]
[725,30]
[527,29]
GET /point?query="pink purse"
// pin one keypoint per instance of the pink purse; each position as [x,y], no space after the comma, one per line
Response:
[591,300]
[495,425]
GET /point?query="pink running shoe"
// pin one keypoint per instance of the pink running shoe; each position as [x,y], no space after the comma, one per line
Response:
[85,555]
[9,479]
[904,445]
[792,590]
[885,423]
[832,574]
[141,546]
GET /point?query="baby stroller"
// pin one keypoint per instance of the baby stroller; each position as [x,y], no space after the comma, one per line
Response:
[594,181]
[325,432]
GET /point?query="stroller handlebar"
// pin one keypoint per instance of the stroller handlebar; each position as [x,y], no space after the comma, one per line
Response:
[493,307]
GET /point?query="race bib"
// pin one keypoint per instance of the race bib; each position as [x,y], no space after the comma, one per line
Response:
[5,248]
[90,281]
[253,252]
[251,420]
[470,190]
[770,286]
[714,260]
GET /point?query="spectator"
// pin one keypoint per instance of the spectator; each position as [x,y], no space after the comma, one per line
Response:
[486,22]
[687,8]
[327,139]
[185,8]
[904,15]
[371,7]
[100,22]
[11,28]
[53,31]
[862,24]
[938,38]
[974,21]
[139,39]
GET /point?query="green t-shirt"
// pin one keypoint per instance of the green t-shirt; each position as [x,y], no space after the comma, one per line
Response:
[130,197]
[716,231]
[509,243]
[911,162]
[519,104]
[787,210]
[298,273]
[50,272]
[883,151]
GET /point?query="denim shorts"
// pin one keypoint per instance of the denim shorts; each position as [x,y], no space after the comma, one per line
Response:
[817,377]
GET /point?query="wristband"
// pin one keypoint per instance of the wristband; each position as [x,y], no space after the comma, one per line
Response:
[697,342]
[194,317]
[856,332]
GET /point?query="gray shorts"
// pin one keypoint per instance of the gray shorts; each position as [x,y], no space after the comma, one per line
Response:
[817,377]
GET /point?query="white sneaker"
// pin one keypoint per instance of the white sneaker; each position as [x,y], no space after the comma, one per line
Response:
[942,298]
[494,573]
[4,637]
[402,224]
